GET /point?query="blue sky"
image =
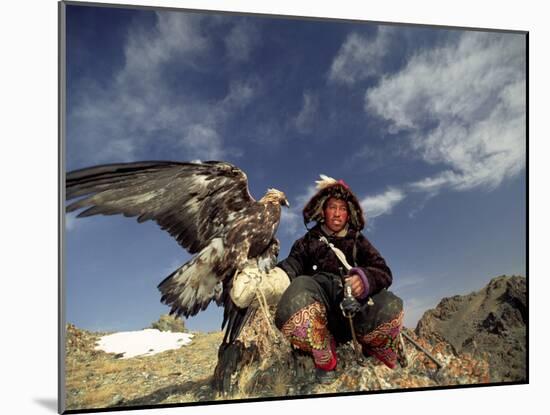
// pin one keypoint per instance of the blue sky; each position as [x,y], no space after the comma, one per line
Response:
[427,126]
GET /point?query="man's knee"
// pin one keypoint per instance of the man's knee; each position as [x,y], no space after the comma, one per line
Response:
[388,301]
[385,307]
[299,294]
[300,283]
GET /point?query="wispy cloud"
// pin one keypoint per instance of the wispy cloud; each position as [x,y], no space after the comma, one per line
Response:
[306,117]
[241,93]
[139,108]
[462,105]
[382,203]
[406,282]
[241,40]
[292,220]
[360,56]
[203,141]
[415,307]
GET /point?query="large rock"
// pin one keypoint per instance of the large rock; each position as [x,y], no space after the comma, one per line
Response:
[490,323]
[263,364]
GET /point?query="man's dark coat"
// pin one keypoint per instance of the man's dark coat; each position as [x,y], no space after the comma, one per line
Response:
[310,256]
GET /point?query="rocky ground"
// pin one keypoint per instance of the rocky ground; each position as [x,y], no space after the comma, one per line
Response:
[490,324]
[479,338]
[96,379]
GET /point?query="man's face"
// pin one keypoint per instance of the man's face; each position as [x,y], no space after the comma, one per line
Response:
[336,214]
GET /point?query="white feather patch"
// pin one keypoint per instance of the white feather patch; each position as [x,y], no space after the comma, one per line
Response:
[324,182]
[195,281]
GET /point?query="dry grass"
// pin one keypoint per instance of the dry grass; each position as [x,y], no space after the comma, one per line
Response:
[95,379]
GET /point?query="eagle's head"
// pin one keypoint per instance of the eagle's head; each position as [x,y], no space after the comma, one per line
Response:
[275,196]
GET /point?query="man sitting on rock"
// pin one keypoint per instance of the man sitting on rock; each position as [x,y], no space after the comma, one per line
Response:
[308,313]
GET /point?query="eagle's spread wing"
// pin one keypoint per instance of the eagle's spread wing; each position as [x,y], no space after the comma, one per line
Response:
[206,207]
[192,201]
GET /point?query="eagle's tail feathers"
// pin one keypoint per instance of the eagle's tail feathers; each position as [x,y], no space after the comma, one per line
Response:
[191,287]
[236,319]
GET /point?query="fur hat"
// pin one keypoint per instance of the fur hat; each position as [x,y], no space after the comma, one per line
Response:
[328,187]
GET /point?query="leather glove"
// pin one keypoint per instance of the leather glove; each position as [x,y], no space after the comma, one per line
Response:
[251,279]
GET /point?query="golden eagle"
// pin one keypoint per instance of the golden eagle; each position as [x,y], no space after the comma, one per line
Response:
[206,207]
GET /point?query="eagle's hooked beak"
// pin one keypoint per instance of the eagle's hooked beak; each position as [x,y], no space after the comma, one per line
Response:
[285,202]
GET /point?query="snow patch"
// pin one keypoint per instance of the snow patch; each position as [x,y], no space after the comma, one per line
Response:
[146,342]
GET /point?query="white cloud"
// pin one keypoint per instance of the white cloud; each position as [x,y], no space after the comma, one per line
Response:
[292,220]
[304,120]
[306,196]
[240,94]
[241,40]
[433,184]
[383,203]
[463,106]
[360,56]
[175,34]
[204,142]
[116,120]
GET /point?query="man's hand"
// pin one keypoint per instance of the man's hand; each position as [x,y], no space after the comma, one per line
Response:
[357,287]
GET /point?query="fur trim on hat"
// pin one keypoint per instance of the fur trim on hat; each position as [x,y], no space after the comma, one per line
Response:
[328,187]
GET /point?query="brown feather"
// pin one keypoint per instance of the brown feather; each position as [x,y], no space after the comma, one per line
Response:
[206,207]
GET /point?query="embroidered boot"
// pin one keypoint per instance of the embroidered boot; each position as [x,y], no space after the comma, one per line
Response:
[307,330]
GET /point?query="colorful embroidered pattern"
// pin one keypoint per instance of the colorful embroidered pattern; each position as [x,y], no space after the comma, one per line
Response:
[307,330]
[383,341]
